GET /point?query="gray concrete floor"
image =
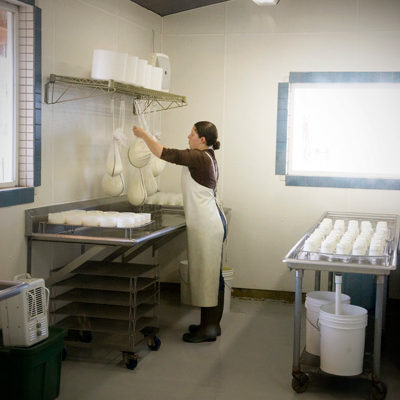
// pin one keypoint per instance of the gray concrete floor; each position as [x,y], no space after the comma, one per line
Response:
[251,360]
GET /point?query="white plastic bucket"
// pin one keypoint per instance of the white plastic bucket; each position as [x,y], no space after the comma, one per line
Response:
[131,70]
[147,76]
[314,301]
[108,64]
[227,274]
[156,78]
[141,72]
[184,278]
[342,339]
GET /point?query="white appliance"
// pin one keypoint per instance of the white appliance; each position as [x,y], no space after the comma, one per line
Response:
[24,316]
[162,61]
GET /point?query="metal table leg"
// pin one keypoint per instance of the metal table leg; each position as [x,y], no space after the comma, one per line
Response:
[297,320]
[317,282]
[300,380]
[378,327]
[330,281]
[385,296]
[379,389]
[29,257]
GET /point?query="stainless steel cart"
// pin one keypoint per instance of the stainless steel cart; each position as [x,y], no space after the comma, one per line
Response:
[109,303]
[299,260]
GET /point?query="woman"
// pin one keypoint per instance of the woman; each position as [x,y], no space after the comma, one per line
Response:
[205,224]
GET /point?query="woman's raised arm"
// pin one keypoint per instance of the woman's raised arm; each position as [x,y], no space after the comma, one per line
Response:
[155,147]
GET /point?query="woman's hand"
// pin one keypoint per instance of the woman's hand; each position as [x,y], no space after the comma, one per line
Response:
[155,147]
[139,132]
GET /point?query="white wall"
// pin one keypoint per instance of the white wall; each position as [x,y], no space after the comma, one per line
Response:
[76,136]
[228,60]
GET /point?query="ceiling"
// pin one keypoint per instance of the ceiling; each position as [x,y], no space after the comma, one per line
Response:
[167,7]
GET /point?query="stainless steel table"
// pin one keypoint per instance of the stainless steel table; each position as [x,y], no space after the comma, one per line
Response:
[300,261]
[108,303]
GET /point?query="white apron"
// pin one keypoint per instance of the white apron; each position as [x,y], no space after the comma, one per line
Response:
[205,234]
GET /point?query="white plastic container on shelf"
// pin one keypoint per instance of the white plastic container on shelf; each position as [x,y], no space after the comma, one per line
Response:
[314,301]
[108,64]
[156,78]
[162,60]
[141,72]
[131,70]
[148,75]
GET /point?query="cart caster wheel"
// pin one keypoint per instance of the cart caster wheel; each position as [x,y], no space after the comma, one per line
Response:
[379,391]
[155,343]
[131,364]
[300,382]
[85,336]
[131,360]
[63,354]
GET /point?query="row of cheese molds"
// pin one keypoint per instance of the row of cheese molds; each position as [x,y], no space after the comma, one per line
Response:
[108,219]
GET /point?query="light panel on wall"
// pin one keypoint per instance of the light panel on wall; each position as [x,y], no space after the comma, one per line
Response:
[266,2]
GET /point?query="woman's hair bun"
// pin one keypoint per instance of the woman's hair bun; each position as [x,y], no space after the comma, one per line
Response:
[216,145]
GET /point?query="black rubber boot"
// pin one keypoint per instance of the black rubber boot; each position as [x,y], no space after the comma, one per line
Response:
[209,327]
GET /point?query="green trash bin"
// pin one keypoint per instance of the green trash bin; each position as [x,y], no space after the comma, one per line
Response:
[32,373]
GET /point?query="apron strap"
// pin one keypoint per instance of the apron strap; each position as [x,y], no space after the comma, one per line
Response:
[219,204]
[215,171]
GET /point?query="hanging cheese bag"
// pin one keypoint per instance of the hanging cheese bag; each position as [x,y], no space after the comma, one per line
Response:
[150,182]
[114,161]
[139,154]
[157,165]
[136,190]
[113,185]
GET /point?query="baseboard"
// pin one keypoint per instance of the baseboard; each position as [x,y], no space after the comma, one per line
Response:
[265,294]
[249,293]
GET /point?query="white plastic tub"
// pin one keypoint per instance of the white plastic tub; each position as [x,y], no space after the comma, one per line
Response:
[342,339]
[314,301]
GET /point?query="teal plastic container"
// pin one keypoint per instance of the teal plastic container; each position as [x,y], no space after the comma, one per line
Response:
[361,288]
[32,373]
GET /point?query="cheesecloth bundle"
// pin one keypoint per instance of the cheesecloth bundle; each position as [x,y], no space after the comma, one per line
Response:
[143,183]
[113,182]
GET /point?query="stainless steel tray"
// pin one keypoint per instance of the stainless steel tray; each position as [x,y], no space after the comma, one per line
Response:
[165,220]
[297,258]
[93,296]
[96,231]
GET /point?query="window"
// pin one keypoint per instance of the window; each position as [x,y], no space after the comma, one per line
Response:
[20,148]
[340,129]
[8,101]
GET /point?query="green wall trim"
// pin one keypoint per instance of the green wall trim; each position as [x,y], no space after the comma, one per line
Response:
[14,196]
[281,128]
[343,77]
[350,183]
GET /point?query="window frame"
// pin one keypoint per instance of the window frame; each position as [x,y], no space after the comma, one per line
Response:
[281,164]
[15,28]
[25,194]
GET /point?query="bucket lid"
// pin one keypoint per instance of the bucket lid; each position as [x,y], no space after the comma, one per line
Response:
[227,271]
[351,316]
[320,297]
